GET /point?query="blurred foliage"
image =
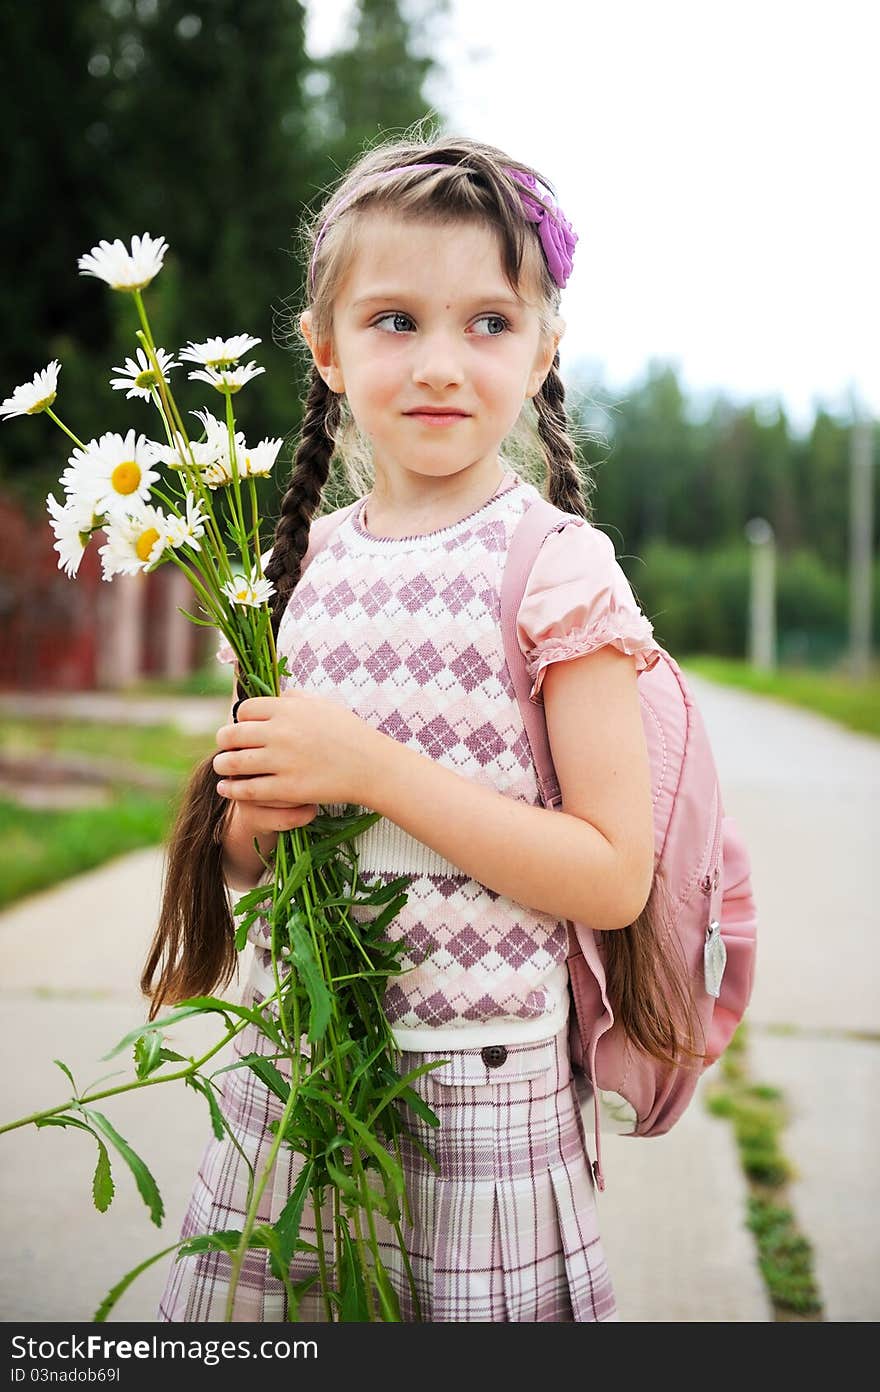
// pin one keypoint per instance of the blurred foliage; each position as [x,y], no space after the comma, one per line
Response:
[205,121]
[208,122]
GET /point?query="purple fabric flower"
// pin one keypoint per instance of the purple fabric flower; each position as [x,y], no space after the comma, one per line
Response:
[558,237]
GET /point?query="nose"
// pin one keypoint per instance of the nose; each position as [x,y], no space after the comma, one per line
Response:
[438,361]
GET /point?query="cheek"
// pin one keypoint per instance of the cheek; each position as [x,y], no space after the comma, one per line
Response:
[376,381]
[501,378]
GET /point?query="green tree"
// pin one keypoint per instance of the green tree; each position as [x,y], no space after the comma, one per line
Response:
[373,86]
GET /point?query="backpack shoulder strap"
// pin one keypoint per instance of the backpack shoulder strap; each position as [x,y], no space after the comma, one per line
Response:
[537,522]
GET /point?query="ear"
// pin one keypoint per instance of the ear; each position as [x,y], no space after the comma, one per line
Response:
[544,357]
[323,355]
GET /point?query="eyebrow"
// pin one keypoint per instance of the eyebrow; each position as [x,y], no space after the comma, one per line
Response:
[401,296]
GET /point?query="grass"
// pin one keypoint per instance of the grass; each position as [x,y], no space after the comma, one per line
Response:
[854,704]
[215,680]
[758,1115]
[42,847]
[161,747]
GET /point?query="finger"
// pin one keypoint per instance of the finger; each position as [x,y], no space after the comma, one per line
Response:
[249,790]
[243,763]
[256,708]
[250,735]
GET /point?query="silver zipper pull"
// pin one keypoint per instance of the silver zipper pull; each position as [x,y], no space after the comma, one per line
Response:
[714,958]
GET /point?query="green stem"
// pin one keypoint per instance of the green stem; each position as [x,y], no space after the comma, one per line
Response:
[193,477]
[251,1216]
[236,482]
[49,412]
[194,1066]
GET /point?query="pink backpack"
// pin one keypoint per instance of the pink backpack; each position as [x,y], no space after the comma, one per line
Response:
[698,850]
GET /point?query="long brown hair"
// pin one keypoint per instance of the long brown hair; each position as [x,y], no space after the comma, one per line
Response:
[648,984]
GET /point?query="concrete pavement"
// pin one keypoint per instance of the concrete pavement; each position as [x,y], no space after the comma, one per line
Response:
[672,1214]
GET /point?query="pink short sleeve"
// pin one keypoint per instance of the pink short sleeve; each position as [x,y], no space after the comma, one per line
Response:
[224,651]
[577,599]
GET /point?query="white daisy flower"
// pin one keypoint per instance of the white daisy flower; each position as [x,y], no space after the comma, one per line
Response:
[81,481]
[113,473]
[184,531]
[252,590]
[122,269]
[219,352]
[135,541]
[210,457]
[228,379]
[33,397]
[257,461]
[140,376]
[73,525]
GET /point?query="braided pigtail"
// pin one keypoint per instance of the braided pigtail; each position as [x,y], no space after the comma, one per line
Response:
[311,469]
[193,948]
[565,483]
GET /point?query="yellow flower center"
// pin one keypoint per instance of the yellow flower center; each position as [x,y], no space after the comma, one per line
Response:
[146,379]
[126,477]
[41,405]
[242,594]
[145,543]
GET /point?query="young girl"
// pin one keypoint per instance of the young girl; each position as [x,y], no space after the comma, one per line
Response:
[433,325]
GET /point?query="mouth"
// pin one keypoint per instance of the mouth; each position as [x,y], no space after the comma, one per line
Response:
[436,416]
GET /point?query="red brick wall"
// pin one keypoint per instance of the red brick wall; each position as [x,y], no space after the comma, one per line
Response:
[49,623]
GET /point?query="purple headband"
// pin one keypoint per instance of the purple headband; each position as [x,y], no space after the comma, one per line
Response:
[557,236]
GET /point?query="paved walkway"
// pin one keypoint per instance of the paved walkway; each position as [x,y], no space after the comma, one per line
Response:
[804,793]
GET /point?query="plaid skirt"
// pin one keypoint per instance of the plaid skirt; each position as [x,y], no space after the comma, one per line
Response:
[507,1231]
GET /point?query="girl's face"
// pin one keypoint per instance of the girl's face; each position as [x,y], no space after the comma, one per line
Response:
[425,318]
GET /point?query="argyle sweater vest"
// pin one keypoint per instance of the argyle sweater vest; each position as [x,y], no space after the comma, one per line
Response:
[406,632]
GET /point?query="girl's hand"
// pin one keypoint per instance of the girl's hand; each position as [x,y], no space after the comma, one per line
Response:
[295,749]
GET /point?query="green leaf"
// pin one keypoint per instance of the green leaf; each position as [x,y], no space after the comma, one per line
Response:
[370,1144]
[287,1224]
[64,1069]
[388,914]
[227,1241]
[269,1074]
[112,1296]
[102,1184]
[259,895]
[306,963]
[321,850]
[388,1302]
[342,1180]
[145,1182]
[64,1121]
[196,1005]
[296,877]
[354,1296]
[383,892]
[201,1085]
[419,1106]
[403,1085]
[147,1053]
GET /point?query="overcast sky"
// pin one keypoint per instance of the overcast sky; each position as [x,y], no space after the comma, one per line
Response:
[719,163]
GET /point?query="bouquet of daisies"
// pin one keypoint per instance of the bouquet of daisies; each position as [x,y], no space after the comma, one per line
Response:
[192,502]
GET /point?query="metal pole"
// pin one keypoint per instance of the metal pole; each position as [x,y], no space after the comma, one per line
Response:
[861,531]
[762,596]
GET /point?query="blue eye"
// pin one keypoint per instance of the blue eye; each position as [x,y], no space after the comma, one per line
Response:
[400,323]
[496,319]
